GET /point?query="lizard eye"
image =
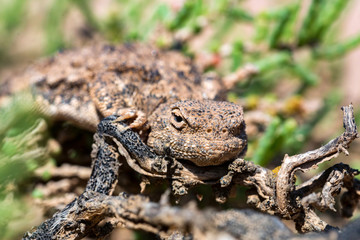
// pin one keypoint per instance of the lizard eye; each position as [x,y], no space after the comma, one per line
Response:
[177,119]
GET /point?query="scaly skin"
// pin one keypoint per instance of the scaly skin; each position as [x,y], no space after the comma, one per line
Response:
[146,86]
[205,132]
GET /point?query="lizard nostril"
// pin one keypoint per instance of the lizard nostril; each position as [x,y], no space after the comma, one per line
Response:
[224,130]
[209,130]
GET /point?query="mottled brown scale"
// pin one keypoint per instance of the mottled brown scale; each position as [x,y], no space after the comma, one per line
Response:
[205,132]
[144,84]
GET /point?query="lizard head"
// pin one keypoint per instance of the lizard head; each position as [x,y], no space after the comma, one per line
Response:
[204,132]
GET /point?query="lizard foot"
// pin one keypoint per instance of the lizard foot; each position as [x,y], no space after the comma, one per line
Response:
[132,113]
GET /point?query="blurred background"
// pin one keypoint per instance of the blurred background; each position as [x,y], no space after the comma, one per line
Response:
[305,52]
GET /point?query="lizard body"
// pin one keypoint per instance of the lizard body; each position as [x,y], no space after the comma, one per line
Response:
[148,86]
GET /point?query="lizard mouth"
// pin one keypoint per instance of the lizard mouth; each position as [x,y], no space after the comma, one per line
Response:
[208,153]
[200,151]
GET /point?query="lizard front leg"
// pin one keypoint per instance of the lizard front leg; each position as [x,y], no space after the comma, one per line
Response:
[114,94]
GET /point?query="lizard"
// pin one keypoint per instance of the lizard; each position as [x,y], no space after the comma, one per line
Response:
[177,110]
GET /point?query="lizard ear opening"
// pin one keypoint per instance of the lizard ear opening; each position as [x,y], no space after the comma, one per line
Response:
[177,120]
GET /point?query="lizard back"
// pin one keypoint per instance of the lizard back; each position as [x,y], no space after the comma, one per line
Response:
[84,85]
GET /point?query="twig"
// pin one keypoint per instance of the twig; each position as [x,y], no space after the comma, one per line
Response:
[311,159]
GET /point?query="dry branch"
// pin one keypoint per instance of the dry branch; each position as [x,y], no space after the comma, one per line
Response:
[96,211]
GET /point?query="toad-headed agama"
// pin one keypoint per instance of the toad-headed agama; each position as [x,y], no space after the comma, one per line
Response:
[177,110]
